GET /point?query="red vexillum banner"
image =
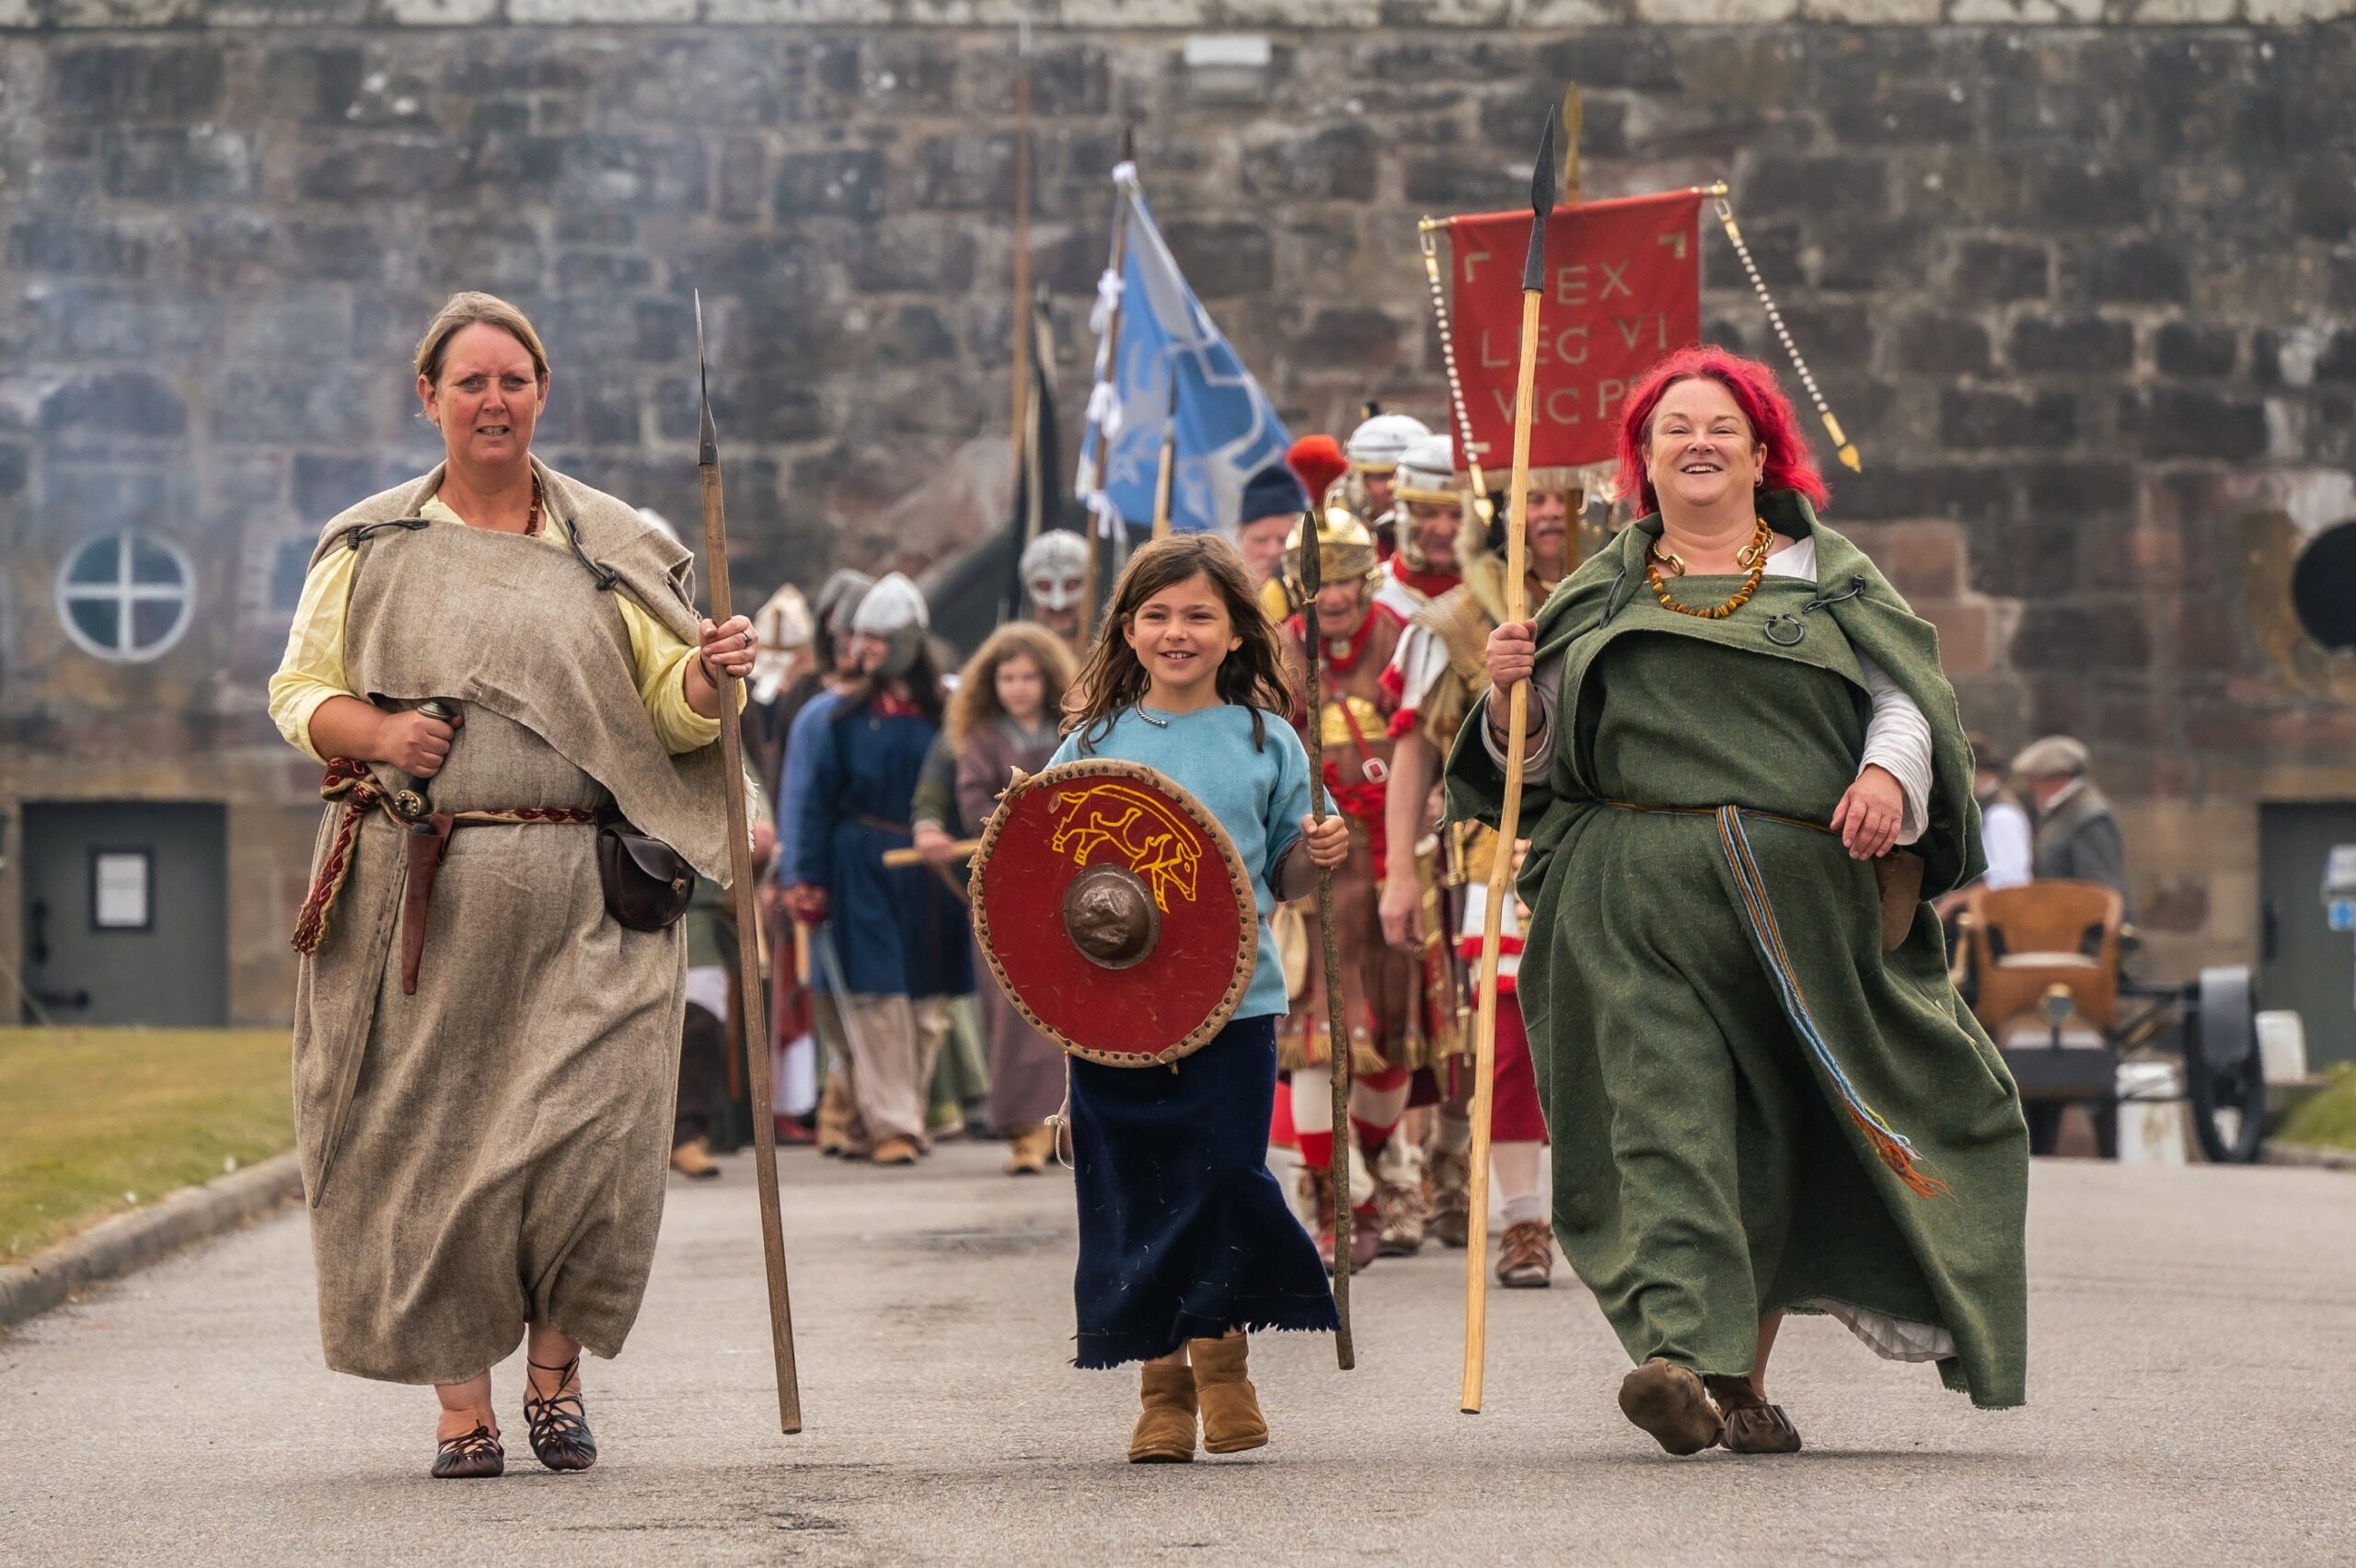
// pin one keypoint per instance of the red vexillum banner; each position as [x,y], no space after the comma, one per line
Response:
[1624,289]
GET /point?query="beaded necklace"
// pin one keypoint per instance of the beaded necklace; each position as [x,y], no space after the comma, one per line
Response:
[1752,555]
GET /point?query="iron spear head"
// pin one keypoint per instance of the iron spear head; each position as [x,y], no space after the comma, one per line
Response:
[708,449]
[1545,180]
[1312,567]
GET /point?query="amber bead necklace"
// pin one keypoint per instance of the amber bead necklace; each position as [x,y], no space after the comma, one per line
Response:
[1752,555]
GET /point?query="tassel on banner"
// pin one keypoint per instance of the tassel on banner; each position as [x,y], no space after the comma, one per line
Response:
[1108,300]
[1108,516]
[1105,410]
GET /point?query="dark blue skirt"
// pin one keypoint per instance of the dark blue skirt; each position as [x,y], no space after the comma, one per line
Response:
[1184,1232]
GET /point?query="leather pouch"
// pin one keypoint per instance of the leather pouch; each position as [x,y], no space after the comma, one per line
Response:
[647,883]
[1899,874]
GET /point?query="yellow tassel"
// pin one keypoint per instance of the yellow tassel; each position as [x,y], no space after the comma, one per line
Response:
[1895,1155]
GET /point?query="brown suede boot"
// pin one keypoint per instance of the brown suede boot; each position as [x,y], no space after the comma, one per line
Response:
[1165,1429]
[1231,1418]
[1753,1425]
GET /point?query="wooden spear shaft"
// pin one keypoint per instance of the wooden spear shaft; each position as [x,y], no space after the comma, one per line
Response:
[748,956]
[1111,374]
[1500,888]
[1166,476]
[1021,320]
[1310,569]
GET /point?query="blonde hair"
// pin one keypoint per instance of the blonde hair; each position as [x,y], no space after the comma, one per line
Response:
[470,308]
[976,702]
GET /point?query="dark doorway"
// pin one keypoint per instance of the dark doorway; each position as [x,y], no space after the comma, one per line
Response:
[127,912]
[2305,966]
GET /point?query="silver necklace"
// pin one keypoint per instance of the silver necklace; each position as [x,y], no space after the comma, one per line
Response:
[1157,724]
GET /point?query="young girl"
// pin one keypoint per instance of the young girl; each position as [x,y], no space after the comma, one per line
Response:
[1186,1240]
[1003,718]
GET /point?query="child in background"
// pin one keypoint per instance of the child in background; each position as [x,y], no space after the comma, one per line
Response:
[1186,1240]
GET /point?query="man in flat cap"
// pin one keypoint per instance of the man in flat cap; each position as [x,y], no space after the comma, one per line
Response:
[2077,833]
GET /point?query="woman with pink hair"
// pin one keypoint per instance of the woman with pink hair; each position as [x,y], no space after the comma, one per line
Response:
[1745,775]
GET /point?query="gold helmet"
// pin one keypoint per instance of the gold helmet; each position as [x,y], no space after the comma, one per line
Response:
[1344,551]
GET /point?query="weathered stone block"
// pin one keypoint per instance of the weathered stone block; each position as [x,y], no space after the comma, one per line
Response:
[325,483]
[1931,343]
[2078,194]
[115,403]
[1223,259]
[15,465]
[2067,492]
[964,174]
[2183,421]
[850,183]
[634,174]
[1983,418]
[2195,350]
[2087,345]
[1349,338]
[1335,163]
[55,243]
[917,253]
[1826,188]
[2079,636]
[113,83]
[2139,273]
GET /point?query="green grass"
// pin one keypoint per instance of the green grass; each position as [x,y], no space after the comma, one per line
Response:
[96,1121]
[2326,1119]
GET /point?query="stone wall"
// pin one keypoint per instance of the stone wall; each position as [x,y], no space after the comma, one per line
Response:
[2079,275]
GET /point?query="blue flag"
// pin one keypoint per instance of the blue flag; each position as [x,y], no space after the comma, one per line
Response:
[1226,429]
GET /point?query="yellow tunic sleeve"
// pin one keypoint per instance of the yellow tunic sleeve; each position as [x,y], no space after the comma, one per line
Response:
[312,670]
[661,657]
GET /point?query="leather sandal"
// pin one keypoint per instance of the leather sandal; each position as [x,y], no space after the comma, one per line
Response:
[1667,1402]
[474,1456]
[560,1437]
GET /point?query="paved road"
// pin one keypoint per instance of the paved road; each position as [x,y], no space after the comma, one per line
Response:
[2196,1335]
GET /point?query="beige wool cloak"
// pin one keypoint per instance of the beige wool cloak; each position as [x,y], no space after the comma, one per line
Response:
[491,1151]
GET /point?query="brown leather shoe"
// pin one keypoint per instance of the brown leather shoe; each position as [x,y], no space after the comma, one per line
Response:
[1526,1256]
[895,1151]
[693,1159]
[1400,1211]
[1667,1402]
[1451,1204]
[1164,1433]
[1231,1406]
[1034,1144]
[1753,1425]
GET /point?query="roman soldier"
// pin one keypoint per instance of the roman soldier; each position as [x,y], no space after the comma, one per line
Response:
[1380,985]
[1433,508]
[1053,569]
[1373,451]
[1438,676]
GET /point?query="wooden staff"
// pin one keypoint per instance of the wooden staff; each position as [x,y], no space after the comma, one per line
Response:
[1167,476]
[1021,320]
[748,956]
[896,859]
[1113,374]
[1312,570]
[1484,1056]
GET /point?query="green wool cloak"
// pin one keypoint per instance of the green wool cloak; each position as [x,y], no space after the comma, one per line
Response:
[1754,1107]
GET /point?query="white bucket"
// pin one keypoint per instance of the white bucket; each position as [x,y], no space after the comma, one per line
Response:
[2151,1124]
[2283,1048]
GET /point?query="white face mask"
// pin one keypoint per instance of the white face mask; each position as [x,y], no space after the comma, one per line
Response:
[1054,593]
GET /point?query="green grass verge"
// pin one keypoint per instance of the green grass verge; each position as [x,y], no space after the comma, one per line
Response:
[2326,1119]
[96,1121]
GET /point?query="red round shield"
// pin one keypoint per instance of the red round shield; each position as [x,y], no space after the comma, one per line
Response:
[1114,912]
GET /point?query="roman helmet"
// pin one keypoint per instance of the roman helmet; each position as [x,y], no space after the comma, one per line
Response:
[894,612]
[1375,448]
[1053,569]
[1426,472]
[1344,550]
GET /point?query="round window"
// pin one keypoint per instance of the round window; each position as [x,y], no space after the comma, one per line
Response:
[125,595]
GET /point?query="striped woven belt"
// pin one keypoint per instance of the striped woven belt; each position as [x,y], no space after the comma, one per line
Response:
[1767,936]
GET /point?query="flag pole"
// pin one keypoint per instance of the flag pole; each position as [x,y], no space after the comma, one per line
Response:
[1020,323]
[1111,377]
[1543,191]
[1167,477]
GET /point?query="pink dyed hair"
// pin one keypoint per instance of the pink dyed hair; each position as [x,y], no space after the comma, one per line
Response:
[1773,422]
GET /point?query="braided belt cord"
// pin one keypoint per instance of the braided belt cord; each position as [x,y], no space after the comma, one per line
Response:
[352,783]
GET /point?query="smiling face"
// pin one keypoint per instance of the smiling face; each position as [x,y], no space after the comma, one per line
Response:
[1021,689]
[1701,452]
[488,399]
[1434,523]
[1341,608]
[1180,636]
[1549,526]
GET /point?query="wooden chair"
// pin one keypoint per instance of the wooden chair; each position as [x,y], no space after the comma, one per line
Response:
[2027,940]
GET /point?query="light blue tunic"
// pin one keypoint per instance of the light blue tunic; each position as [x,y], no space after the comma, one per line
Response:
[1258,795]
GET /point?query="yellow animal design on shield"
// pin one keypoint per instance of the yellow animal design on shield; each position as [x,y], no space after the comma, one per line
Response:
[1121,823]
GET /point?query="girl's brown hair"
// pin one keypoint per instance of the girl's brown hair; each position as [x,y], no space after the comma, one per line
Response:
[976,702]
[470,308]
[1111,679]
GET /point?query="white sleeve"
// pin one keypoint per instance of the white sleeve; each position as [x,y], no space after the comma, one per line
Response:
[1421,660]
[1899,738]
[2004,836]
[1538,752]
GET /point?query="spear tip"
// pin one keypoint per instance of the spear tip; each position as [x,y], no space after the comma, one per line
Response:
[708,446]
[1544,185]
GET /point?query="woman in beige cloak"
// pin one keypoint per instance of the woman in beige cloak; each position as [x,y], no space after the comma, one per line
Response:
[485,1059]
